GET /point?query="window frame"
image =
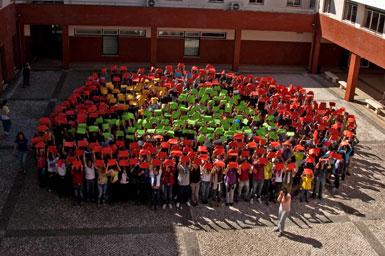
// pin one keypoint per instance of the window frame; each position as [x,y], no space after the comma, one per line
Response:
[293,3]
[368,25]
[116,53]
[349,7]
[197,55]
[257,3]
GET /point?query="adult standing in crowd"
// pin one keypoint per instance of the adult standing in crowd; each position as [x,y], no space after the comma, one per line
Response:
[21,150]
[5,117]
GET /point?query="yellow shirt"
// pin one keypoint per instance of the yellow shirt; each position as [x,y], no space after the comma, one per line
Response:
[267,171]
[306,183]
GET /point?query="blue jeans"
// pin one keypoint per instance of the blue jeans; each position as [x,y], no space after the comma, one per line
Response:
[23,160]
[257,188]
[184,193]
[78,192]
[205,187]
[167,194]
[282,215]
[6,126]
[102,189]
[90,188]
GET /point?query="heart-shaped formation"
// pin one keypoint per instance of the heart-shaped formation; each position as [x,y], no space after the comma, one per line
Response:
[214,119]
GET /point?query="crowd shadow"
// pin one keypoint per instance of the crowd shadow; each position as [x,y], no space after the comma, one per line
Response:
[357,191]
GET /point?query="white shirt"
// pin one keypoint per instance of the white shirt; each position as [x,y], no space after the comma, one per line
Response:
[206,176]
[278,176]
[52,165]
[123,179]
[61,170]
[90,172]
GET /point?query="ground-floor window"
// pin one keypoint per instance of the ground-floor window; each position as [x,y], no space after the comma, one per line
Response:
[191,46]
[110,45]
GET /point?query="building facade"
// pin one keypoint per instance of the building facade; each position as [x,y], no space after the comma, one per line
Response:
[312,33]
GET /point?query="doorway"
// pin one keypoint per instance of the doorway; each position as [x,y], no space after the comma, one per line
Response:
[46,43]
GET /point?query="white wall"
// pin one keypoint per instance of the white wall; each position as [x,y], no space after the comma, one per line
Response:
[4,3]
[268,6]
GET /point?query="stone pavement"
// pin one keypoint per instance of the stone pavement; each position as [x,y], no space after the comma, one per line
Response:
[35,222]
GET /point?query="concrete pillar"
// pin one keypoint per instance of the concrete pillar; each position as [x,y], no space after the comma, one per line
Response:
[65,47]
[315,48]
[153,45]
[354,69]
[237,49]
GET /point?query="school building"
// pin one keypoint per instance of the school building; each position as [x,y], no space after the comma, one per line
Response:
[316,34]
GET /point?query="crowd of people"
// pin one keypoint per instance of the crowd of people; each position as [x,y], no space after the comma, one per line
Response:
[177,137]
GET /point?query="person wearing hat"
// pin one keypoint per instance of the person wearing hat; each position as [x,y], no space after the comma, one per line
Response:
[217,181]
[183,172]
[62,176]
[51,171]
[90,176]
[338,168]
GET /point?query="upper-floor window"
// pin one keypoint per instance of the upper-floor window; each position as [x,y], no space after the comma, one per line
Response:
[329,7]
[216,1]
[256,1]
[294,3]
[375,20]
[350,11]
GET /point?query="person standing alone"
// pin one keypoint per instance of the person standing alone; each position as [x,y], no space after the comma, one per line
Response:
[26,75]
[5,117]
[284,199]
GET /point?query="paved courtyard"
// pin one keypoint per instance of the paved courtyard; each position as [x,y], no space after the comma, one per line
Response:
[35,222]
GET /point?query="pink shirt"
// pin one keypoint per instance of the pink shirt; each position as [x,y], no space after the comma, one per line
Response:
[286,203]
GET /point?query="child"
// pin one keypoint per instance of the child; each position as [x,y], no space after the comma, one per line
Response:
[155,187]
[306,186]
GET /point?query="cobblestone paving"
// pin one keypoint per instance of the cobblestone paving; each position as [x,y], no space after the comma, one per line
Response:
[35,222]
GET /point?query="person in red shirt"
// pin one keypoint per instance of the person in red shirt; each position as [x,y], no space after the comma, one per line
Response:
[77,174]
[258,180]
[167,181]
[243,179]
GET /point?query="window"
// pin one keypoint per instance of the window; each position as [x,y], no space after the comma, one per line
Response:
[215,1]
[375,20]
[217,35]
[350,11]
[294,3]
[88,31]
[171,34]
[329,7]
[110,45]
[192,34]
[256,1]
[132,33]
[191,46]
[110,32]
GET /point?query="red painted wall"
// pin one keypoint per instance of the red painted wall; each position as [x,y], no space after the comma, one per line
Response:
[210,51]
[90,49]
[356,40]
[274,53]
[330,55]
[7,31]
[163,17]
